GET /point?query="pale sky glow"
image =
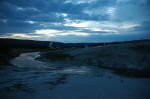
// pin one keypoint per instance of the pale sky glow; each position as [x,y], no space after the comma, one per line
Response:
[75,20]
[46,31]
[20,8]
[78,24]
[111,11]
[23,36]
[61,14]
[79,1]
[51,33]
[74,33]
[4,20]
[103,24]
[23,9]
[105,30]
[30,22]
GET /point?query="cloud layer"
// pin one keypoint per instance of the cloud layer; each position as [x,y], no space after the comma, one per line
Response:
[75,20]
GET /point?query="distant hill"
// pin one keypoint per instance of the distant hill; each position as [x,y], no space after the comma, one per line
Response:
[17,43]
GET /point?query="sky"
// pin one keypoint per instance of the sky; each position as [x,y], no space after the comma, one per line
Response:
[75,20]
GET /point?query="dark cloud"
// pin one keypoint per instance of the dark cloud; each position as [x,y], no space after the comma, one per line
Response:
[16,27]
[26,16]
[18,11]
[143,29]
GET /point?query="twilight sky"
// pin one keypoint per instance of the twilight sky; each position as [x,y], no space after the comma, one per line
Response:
[75,20]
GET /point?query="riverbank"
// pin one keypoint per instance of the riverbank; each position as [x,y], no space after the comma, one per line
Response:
[131,59]
[8,54]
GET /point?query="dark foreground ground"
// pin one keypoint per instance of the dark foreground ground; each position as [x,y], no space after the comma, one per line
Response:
[32,79]
[116,71]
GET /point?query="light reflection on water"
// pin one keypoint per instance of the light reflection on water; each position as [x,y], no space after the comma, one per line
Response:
[28,63]
[76,70]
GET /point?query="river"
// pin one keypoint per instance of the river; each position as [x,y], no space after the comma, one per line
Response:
[33,79]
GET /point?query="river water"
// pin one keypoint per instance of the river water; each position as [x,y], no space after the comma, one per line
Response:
[33,79]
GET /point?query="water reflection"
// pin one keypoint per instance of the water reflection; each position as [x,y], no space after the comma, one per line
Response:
[75,70]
